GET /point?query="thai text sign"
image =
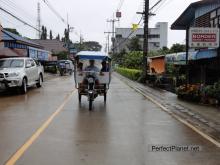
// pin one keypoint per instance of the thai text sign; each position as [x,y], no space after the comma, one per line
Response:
[204,37]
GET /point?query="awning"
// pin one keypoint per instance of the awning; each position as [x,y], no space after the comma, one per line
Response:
[180,58]
[92,55]
[204,54]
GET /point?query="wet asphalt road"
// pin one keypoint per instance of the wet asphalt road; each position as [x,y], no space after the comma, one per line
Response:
[122,132]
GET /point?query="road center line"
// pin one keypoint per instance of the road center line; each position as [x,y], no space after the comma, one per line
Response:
[40,130]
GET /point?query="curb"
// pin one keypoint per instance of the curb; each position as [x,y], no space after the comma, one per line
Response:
[185,122]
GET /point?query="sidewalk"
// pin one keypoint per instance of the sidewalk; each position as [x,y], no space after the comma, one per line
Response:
[205,118]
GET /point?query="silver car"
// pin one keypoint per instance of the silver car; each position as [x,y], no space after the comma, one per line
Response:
[21,73]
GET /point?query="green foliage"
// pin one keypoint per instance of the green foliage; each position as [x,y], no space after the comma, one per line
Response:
[132,74]
[62,55]
[88,46]
[213,91]
[12,31]
[43,33]
[159,52]
[177,48]
[51,35]
[133,60]
[118,58]
[58,37]
[134,44]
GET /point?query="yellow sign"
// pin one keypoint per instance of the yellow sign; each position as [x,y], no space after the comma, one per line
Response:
[134,27]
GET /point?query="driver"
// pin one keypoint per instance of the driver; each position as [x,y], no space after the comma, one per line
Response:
[92,66]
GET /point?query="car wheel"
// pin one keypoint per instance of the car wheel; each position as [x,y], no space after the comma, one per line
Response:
[23,88]
[40,81]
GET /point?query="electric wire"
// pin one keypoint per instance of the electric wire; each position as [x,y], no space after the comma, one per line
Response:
[123,41]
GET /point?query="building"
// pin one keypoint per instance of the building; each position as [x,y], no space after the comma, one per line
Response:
[54,46]
[203,66]
[12,45]
[158,37]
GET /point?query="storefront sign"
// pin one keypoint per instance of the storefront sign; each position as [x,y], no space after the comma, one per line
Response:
[204,37]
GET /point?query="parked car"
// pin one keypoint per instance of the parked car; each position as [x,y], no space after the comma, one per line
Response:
[20,73]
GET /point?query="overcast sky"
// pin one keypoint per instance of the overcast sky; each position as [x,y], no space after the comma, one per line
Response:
[89,16]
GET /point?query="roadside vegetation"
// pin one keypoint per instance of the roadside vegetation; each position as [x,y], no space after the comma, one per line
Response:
[130,62]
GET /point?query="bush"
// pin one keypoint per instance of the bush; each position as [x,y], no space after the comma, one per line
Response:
[132,74]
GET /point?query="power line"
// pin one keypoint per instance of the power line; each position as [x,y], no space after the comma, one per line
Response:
[17,10]
[160,5]
[19,19]
[155,5]
[54,11]
[118,45]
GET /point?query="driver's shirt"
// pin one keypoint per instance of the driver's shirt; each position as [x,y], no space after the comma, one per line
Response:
[92,68]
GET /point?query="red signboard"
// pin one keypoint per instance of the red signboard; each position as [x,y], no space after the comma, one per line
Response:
[204,37]
[118,14]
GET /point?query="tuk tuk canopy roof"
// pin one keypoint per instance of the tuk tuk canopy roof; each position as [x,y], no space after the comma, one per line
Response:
[92,55]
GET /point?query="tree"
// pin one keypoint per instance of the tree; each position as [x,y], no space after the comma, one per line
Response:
[88,45]
[58,37]
[134,44]
[43,33]
[62,55]
[118,58]
[177,48]
[14,31]
[51,35]
[133,60]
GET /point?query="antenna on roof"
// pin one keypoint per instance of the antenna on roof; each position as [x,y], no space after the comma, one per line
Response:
[38,21]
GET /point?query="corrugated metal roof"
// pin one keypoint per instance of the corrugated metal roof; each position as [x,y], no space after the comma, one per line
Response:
[186,18]
[8,36]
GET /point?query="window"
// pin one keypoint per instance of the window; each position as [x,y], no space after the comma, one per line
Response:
[140,36]
[32,62]
[27,63]
[118,36]
[211,23]
[218,12]
[213,14]
[153,36]
[215,22]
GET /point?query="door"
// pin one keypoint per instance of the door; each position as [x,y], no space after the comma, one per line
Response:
[34,71]
[28,70]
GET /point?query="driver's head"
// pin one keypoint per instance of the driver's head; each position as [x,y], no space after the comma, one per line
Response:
[92,62]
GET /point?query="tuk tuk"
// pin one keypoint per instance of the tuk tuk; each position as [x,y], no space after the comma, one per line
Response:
[92,75]
[65,66]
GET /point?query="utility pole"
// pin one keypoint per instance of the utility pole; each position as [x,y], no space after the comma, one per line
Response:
[113,33]
[108,43]
[146,14]
[69,29]
[145,49]
[38,21]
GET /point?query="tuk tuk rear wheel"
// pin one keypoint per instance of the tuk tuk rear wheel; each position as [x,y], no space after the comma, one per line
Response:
[105,97]
[79,97]
[90,104]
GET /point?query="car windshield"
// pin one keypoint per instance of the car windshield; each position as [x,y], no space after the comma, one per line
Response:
[11,63]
